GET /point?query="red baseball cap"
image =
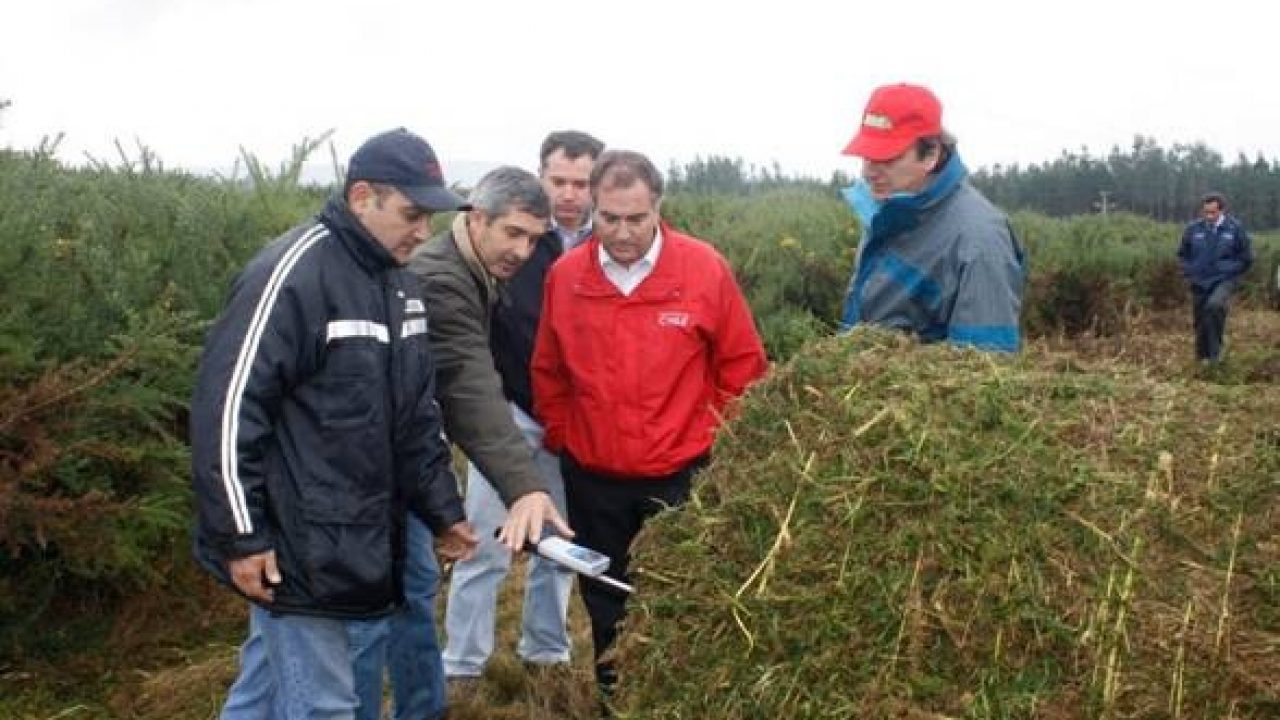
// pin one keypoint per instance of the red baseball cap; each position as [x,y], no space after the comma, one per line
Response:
[896,116]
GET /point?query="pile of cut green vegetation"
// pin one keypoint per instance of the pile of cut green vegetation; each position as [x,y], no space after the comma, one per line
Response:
[892,530]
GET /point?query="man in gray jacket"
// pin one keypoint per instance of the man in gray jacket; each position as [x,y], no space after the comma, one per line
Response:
[461,270]
[936,258]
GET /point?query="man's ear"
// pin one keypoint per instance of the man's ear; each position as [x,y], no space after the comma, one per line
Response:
[935,155]
[360,197]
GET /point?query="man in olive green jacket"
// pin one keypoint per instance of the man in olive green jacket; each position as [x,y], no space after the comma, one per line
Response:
[460,270]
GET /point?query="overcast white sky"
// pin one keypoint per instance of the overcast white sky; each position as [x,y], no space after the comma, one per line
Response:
[485,81]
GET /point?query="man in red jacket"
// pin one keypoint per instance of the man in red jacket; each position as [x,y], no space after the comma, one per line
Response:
[645,340]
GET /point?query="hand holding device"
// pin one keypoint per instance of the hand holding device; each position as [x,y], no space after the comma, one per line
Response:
[582,560]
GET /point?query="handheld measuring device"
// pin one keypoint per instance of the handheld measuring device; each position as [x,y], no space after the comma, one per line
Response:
[582,560]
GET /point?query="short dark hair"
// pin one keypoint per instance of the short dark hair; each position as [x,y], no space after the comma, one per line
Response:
[381,190]
[1214,197]
[574,143]
[622,168]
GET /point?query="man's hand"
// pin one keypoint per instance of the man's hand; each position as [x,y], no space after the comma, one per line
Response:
[525,519]
[458,542]
[255,575]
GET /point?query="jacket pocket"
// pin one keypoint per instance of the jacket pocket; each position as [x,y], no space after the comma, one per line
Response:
[350,388]
[349,563]
[348,402]
[351,463]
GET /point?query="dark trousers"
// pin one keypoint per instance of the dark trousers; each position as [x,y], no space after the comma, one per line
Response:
[1209,317]
[606,513]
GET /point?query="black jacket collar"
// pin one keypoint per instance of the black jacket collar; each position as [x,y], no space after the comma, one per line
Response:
[364,248]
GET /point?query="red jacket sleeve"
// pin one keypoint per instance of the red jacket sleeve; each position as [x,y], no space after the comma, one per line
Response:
[549,374]
[738,357]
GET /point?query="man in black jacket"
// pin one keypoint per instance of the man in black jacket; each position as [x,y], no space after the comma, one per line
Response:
[314,428]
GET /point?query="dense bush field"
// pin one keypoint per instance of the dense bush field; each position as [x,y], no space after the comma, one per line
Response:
[110,275]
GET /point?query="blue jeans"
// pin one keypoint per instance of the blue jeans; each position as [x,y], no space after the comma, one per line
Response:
[470,614]
[301,667]
[413,653]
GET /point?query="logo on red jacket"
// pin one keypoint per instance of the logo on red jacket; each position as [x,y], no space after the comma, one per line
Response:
[673,318]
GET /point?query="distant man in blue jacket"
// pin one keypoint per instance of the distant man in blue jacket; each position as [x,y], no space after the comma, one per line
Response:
[936,258]
[1214,254]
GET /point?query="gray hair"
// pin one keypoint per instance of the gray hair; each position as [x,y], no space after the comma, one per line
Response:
[506,189]
[622,168]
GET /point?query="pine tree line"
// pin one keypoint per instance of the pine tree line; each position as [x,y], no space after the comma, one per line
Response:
[1147,179]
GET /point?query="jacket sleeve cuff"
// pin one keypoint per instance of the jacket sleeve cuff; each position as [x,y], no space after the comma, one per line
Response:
[515,487]
[441,518]
[241,546]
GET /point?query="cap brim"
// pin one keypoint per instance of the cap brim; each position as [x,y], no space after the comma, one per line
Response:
[434,198]
[877,149]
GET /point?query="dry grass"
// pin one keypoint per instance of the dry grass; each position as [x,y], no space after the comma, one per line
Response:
[509,690]
[1162,344]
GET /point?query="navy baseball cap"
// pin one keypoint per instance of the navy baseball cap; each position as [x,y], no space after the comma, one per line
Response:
[406,162]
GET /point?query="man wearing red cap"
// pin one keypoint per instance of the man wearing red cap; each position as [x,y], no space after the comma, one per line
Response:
[936,258]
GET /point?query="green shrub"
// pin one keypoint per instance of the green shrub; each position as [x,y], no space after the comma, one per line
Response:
[109,276]
[1089,272]
[792,251]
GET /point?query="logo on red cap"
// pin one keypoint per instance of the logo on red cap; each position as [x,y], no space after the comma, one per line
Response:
[876,120]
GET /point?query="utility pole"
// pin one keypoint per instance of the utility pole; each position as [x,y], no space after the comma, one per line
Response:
[1104,204]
